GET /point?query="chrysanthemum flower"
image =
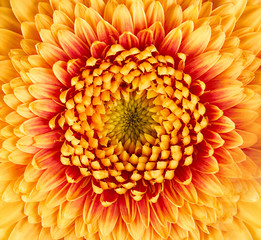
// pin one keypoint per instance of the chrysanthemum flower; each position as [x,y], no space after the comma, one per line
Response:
[130,119]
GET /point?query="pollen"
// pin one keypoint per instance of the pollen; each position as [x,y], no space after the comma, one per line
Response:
[131,119]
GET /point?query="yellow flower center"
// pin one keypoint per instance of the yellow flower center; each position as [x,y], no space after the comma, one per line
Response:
[130,119]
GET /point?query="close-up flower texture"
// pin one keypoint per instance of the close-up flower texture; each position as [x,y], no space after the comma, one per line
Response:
[130,119]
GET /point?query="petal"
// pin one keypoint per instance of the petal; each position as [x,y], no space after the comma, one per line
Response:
[188,192]
[8,20]
[60,71]
[155,13]
[207,183]
[174,17]
[250,212]
[158,33]
[97,49]
[45,158]
[9,40]
[84,31]
[128,208]
[232,139]
[51,53]
[138,16]
[221,65]
[108,219]
[145,38]
[24,10]
[78,189]
[92,209]
[196,42]
[24,229]
[128,40]
[207,165]
[48,140]
[121,19]
[45,108]
[110,7]
[171,42]
[251,42]
[41,91]
[241,117]
[136,228]
[223,125]
[19,157]
[197,66]
[50,179]
[72,45]
[183,175]
[107,33]
[35,126]
[43,75]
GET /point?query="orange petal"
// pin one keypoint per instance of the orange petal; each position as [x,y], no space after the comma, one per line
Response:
[232,139]
[35,126]
[51,53]
[158,33]
[221,65]
[110,7]
[24,10]
[171,42]
[207,183]
[172,195]
[92,209]
[183,175]
[121,19]
[45,108]
[196,42]
[128,40]
[107,33]
[128,208]
[207,165]
[185,219]
[223,156]
[51,178]
[97,49]
[24,229]
[174,17]
[48,140]
[9,40]
[251,42]
[60,71]
[145,38]
[73,45]
[213,138]
[84,31]
[136,228]
[216,41]
[8,171]
[45,158]
[223,125]
[19,157]
[41,91]
[144,211]
[78,189]
[108,219]
[241,117]
[43,75]
[162,230]
[155,13]
[188,192]
[197,66]
[138,16]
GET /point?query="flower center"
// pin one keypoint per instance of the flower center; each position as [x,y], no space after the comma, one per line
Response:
[130,119]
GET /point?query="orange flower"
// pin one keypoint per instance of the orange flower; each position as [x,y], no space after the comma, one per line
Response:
[130,119]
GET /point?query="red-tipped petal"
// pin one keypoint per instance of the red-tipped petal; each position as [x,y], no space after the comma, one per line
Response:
[196,42]
[107,33]
[121,19]
[73,45]
[171,43]
[129,40]
[84,31]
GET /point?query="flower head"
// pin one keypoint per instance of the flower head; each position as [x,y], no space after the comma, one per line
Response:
[130,119]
